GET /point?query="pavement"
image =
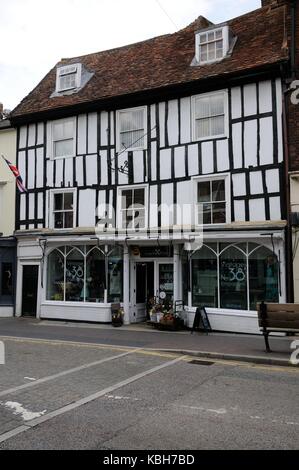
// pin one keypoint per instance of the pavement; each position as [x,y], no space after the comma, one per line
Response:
[215,345]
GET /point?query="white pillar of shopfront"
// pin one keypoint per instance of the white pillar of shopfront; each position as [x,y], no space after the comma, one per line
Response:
[126,286]
[176,273]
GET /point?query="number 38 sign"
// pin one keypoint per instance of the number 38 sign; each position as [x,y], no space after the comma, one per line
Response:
[233,271]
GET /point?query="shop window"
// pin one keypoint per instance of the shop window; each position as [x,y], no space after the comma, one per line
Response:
[246,273]
[74,276]
[6,279]
[55,278]
[115,275]
[79,274]
[95,276]
[233,279]
[204,277]
[263,273]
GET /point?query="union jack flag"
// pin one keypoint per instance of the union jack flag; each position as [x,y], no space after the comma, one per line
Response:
[17,175]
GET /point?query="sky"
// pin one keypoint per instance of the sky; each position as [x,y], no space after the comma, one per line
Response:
[36,34]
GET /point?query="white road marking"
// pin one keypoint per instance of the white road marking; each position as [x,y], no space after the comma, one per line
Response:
[20,410]
[85,400]
[116,397]
[63,373]
[221,411]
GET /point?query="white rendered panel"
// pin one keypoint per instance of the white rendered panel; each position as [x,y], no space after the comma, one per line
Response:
[165,164]
[207,157]
[179,162]
[92,133]
[173,122]
[250,143]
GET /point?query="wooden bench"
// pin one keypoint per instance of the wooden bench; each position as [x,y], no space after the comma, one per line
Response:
[280,318]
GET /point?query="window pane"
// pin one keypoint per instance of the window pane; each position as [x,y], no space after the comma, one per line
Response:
[211,36]
[68,201]
[67,81]
[132,139]
[203,56]
[95,277]
[202,128]
[202,108]
[219,213]
[233,279]
[263,277]
[132,120]
[58,220]
[218,190]
[204,278]
[55,276]
[204,213]
[218,34]
[203,38]
[204,191]
[139,197]
[217,125]
[217,105]
[74,288]
[63,148]
[58,198]
[7,279]
[68,220]
[115,276]
[63,129]
[211,51]
[127,199]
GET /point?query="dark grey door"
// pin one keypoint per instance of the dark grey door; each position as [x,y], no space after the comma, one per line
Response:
[29,296]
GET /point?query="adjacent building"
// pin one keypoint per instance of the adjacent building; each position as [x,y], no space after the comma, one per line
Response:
[129,153]
[7,217]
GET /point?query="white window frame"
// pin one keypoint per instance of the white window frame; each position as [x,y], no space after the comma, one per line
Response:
[61,71]
[52,192]
[119,219]
[201,179]
[52,152]
[118,117]
[225,39]
[193,112]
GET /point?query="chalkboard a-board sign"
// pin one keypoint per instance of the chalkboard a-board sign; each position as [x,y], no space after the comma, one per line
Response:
[201,320]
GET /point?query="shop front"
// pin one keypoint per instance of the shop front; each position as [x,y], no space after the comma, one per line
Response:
[79,279]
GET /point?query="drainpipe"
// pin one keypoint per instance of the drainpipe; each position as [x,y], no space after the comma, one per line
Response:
[288,230]
[285,110]
[293,38]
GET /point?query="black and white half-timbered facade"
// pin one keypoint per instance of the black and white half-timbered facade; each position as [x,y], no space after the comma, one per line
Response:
[130,156]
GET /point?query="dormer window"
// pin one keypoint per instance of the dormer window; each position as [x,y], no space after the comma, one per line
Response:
[68,77]
[212,45]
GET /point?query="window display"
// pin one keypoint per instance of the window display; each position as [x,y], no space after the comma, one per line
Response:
[78,274]
[246,273]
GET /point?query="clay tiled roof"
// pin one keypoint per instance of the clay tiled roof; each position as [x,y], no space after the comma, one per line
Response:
[165,61]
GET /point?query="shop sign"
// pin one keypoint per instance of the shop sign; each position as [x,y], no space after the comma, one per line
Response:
[156,251]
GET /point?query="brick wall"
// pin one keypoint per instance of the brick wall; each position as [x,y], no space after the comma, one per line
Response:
[294,113]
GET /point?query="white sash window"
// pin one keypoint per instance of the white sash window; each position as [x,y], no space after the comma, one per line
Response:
[131,129]
[210,116]
[63,136]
